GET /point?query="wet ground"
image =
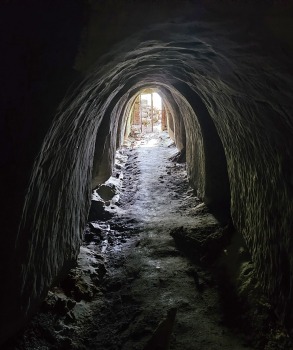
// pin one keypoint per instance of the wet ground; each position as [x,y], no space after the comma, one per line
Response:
[132,270]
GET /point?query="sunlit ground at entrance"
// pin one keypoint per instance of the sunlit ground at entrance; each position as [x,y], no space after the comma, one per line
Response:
[149,140]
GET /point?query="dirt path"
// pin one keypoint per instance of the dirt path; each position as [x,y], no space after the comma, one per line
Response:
[148,275]
[130,272]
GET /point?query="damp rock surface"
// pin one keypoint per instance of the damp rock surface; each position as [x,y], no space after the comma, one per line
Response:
[131,274]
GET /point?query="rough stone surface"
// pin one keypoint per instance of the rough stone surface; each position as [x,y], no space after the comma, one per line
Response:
[227,77]
[107,191]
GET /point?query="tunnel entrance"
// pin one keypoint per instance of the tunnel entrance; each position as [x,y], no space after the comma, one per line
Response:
[148,112]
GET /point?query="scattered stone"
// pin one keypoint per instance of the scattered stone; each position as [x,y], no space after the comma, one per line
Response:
[88,237]
[201,208]
[61,306]
[107,191]
[99,227]
[204,243]
[179,157]
[97,207]
[77,286]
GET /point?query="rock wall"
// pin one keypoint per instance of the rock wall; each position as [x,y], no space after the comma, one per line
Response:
[226,77]
[39,44]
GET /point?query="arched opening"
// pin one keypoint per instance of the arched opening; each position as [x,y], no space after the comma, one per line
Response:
[206,162]
[146,113]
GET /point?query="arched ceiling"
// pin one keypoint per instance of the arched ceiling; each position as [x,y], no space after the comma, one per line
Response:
[231,81]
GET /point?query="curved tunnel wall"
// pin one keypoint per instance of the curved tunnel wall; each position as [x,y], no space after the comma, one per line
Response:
[232,82]
[205,155]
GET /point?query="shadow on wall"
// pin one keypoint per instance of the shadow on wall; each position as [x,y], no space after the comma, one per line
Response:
[216,190]
[39,44]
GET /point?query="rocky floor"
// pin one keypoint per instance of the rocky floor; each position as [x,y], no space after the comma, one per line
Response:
[135,285]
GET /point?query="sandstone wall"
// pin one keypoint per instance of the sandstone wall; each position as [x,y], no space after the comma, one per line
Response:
[227,80]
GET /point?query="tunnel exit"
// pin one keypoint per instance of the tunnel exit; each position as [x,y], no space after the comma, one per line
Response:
[148,113]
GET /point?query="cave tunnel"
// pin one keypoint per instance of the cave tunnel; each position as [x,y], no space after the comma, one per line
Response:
[70,74]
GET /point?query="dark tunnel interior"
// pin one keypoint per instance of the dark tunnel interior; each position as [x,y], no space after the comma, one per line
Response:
[70,74]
